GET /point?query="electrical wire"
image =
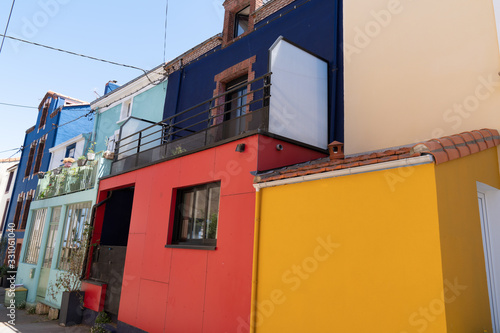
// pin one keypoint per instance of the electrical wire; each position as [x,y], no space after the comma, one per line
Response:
[17,152]
[8,150]
[7,25]
[165,37]
[79,55]
[19,106]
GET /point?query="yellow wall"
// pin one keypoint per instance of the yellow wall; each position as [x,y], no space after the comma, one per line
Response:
[382,272]
[460,230]
[416,70]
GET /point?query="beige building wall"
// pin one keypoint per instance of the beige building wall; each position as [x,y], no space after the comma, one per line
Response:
[416,70]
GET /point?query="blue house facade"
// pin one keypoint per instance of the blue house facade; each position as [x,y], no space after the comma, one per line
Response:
[59,119]
[314,26]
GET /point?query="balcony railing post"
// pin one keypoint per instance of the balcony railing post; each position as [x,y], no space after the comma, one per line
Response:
[267,90]
[139,143]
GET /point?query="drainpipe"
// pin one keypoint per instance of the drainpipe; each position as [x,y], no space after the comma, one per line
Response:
[92,221]
[255,266]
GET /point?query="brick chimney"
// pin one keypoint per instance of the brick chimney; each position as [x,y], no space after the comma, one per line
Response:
[238,18]
[336,150]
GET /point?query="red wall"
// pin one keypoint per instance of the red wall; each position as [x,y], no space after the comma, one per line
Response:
[185,290]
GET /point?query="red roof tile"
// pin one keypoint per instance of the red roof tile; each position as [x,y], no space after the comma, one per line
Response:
[443,149]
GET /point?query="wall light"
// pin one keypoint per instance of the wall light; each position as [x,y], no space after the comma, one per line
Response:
[240,147]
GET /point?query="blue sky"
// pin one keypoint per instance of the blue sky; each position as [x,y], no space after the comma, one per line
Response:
[128,32]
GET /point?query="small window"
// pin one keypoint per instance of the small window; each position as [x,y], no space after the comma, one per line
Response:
[39,155]
[126,110]
[31,156]
[17,214]
[197,213]
[70,150]
[9,182]
[241,21]
[45,112]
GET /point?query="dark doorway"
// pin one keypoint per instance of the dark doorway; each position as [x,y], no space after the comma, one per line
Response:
[108,259]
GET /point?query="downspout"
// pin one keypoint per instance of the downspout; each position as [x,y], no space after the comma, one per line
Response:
[255,266]
[92,221]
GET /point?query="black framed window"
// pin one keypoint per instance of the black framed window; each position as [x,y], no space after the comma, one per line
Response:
[39,155]
[31,156]
[70,150]
[197,214]
[9,182]
[241,21]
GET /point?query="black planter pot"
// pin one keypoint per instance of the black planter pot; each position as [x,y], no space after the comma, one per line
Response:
[6,281]
[71,308]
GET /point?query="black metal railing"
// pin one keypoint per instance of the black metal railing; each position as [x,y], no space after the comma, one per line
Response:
[223,117]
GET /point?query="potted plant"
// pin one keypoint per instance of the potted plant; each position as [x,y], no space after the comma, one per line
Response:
[68,283]
[108,154]
[91,152]
[81,161]
[68,162]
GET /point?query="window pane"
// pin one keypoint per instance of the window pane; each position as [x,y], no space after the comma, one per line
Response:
[197,215]
[187,215]
[54,224]
[241,22]
[35,236]
[200,214]
[213,212]
[76,218]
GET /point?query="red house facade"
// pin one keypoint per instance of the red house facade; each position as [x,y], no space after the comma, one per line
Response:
[174,289]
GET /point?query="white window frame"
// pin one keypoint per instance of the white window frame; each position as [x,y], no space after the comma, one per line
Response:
[126,111]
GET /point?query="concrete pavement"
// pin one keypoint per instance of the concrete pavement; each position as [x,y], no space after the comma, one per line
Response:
[26,323]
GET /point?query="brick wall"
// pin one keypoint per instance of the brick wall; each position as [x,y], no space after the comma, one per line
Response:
[192,54]
[270,8]
[232,7]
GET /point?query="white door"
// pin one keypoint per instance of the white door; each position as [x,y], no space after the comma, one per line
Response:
[490,224]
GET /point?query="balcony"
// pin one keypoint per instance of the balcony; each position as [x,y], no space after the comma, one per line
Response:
[294,107]
[65,180]
[236,113]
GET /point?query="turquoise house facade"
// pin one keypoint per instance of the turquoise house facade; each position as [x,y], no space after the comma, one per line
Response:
[54,223]
[66,195]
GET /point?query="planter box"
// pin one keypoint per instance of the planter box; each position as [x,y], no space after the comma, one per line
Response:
[18,295]
[71,308]
[108,155]
[91,156]
[81,162]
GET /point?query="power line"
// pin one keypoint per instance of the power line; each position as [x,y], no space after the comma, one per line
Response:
[7,25]
[79,55]
[8,150]
[19,106]
[17,152]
